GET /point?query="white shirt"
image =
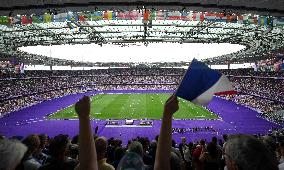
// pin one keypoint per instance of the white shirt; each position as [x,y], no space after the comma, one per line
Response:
[281,166]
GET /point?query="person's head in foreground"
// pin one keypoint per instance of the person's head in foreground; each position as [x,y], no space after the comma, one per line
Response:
[245,152]
[33,143]
[101,147]
[59,146]
[11,153]
[136,147]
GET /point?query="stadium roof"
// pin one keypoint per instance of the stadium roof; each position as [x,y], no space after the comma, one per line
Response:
[260,40]
[262,7]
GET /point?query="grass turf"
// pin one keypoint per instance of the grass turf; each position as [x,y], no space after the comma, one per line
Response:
[135,106]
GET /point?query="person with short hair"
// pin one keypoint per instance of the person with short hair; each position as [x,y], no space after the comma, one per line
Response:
[28,161]
[245,152]
[58,149]
[11,153]
[101,148]
[39,155]
[196,154]
[281,159]
[136,147]
[118,154]
[209,157]
[281,149]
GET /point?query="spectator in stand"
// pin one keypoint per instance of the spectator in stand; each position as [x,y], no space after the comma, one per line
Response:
[58,149]
[244,152]
[11,153]
[137,148]
[37,86]
[39,155]
[184,151]
[28,161]
[225,138]
[281,147]
[196,155]
[118,154]
[101,148]
[210,157]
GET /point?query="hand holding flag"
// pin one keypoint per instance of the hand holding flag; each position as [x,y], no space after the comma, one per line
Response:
[171,105]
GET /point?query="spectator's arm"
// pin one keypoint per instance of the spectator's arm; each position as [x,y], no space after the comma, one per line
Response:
[163,154]
[87,149]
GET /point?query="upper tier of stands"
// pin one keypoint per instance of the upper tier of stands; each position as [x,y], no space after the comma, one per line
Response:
[32,87]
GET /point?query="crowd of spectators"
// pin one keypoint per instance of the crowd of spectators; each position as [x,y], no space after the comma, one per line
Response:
[267,108]
[19,102]
[91,152]
[195,129]
[33,87]
[251,72]
[266,88]
[259,90]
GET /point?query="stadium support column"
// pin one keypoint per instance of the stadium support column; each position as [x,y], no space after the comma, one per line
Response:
[50,68]
[228,66]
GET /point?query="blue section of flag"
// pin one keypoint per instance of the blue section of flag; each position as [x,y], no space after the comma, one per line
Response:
[198,79]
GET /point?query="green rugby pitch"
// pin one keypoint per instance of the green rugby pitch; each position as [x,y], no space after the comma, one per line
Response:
[135,106]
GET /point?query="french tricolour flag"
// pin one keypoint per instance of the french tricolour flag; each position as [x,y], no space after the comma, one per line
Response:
[200,83]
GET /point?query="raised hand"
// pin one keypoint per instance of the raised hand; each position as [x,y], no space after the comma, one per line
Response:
[171,105]
[82,107]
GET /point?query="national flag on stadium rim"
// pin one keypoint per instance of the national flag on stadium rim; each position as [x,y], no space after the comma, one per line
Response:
[210,16]
[109,15]
[81,17]
[47,18]
[146,15]
[262,20]
[61,17]
[161,15]
[245,19]
[11,20]
[121,15]
[26,20]
[4,20]
[240,19]
[265,21]
[232,18]
[186,16]
[221,17]
[280,22]
[37,19]
[97,15]
[200,83]
[173,15]
[198,16]
[251,20]
[72,16]
[15,20]
[86,15]
[270,21]
[133,15]
[153,15]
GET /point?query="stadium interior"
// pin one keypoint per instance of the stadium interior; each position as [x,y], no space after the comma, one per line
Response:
[129,58]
